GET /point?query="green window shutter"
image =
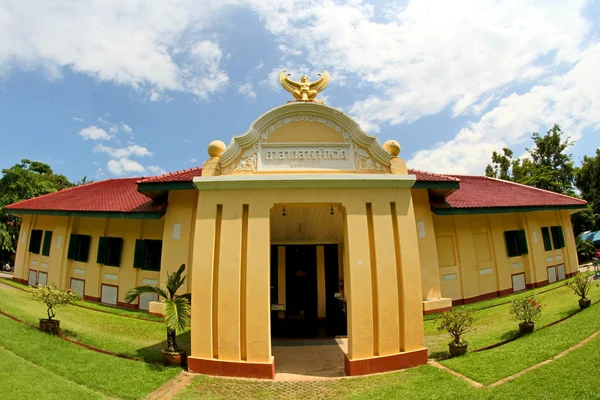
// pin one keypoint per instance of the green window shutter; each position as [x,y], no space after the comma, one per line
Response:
[102,250]
[546,236]
[512,246]
[522,242]
[73,247]
[84,248]
[139,258]
[555,239]
[561,237]
[47,243]
[36,241]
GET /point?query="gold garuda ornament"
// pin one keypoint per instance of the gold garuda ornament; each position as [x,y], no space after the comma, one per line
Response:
[304,90]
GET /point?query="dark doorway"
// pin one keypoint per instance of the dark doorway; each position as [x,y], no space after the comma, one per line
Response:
[301,317]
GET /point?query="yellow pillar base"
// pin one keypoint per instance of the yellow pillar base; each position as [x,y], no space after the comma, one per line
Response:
[156,308]
[394,362]
[437,305]
[240,369]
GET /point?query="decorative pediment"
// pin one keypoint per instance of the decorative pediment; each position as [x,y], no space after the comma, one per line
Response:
[301,137]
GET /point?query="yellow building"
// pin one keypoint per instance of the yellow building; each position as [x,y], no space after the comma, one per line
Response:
[304,226]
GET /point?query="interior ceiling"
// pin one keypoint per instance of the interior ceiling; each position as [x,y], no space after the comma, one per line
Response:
[315,224]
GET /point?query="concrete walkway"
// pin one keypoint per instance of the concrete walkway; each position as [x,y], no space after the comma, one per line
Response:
[309,360]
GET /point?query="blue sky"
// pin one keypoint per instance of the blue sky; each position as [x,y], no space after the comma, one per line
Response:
[109,88]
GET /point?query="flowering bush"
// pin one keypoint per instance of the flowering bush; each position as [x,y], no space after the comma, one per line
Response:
[53,297]
[526,309]
[581,285]
[456,323]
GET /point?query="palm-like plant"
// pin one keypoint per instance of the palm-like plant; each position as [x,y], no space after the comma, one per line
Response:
[177,306]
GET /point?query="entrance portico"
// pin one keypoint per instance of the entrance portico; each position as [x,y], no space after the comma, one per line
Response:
[321,160]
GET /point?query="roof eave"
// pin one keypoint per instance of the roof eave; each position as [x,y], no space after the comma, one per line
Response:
[152,215]
[501,210]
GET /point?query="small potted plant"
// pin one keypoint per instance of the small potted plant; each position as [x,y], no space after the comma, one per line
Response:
[456,323]
[526,309]
[177,313]
[581,286]
[53,297]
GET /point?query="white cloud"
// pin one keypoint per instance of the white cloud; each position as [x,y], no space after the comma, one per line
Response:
[430,55]
[187,141]
[247,90]
[78,119]
[123,152]
[124,42]
[125,128]
[102,121]
[571,99]
[193,160]
[94,133]
[124,166]
[156,170]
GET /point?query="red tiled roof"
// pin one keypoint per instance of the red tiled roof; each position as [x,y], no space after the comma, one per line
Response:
[121,195]
[111,195]
[484,192]
[431,177]
[186,175]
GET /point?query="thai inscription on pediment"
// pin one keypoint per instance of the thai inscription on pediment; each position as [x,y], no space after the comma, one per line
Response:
[283,146]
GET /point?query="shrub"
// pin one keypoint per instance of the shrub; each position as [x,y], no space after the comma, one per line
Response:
[581,285]
[456,323]
[526,309]
[53,297]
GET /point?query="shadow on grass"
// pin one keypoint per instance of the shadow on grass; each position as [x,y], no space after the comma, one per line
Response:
[152,353]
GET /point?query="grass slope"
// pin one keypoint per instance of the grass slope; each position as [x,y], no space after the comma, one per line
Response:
[492,365]
[132,337]
[74,365]
[493,325]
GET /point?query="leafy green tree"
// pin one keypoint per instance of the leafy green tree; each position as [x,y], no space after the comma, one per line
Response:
[587,180]
[548,166]
[23,181]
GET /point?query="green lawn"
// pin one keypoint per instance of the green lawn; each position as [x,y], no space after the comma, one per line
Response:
[132,337]
[63,370]
[91,304]
[492,365]
[493,325]
[565,378]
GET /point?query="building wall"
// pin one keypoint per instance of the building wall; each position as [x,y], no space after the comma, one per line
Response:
[473,259]
[428,255]
[60,270]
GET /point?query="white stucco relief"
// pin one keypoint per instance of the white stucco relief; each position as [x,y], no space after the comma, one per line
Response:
[316,156]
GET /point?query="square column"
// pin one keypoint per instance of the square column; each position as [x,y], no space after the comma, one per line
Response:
[383,286]
[231,301]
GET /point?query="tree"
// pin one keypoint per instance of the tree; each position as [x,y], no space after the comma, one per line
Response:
[587,180]
[177,307]
[23,181]
[547,167]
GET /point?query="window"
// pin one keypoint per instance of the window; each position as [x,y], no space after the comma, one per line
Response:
[556,233]
[47,243]
[558,238]
[516,243]
[79,247]
[36,241]
[147,254]
[546,236]
[109,251]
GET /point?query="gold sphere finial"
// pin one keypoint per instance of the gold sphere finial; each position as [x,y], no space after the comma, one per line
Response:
[393,147]
[215,148]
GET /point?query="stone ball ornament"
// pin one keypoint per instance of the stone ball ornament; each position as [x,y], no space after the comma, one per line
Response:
[216,148]
[393,147]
